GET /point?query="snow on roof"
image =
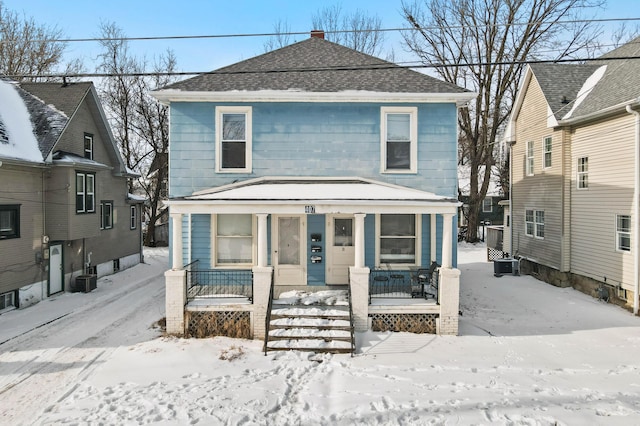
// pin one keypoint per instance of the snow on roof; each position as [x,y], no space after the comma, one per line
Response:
[586,88]
[61,157]
[135,197]
[18,139]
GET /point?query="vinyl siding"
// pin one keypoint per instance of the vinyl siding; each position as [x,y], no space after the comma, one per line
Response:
[609,146]
[542,191]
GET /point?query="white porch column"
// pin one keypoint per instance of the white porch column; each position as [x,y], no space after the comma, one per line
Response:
[434,234]
[447,236]
[175,300]
[262,277]
[359,282]
[176,241]
[359,240]
[262,239]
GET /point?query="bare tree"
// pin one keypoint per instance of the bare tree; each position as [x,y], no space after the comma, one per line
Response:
[357,30]
[29,50]
[282,36]
[140,124]
[483,45]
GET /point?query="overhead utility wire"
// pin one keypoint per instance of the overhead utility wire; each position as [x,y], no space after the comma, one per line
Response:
[383,66]
[294,33]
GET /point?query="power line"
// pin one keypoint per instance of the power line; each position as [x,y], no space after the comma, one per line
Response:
[294,33]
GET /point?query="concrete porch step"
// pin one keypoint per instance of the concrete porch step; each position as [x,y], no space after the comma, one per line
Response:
[310,323]
[311,345]
[331,312]
[309,333]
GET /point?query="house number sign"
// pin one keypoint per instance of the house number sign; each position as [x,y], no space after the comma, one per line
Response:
[309,209]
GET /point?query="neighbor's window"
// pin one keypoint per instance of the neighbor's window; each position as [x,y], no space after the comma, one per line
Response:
[530,156]
[399,139]
[85,193]
[583,172]
[398,238]
[547,147]
[487,205]
[528,222]
[233,134]
[7,300]
[106,214]
[134,217]
[539,224]
[234,239]
[623,232]
[88,146]
[9,221]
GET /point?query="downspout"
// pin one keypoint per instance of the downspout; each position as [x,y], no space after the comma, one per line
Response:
[636,210]
[43,266]
[511,227]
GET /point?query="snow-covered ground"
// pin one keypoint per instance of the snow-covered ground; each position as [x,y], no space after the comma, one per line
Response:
[528,353]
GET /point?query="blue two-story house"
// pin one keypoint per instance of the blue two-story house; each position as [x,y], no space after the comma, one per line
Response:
[309,166]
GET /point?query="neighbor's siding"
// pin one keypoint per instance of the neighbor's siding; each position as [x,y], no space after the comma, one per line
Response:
[609,145]
[543,190]
[18,265]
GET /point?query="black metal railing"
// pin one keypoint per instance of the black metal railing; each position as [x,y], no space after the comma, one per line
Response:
[219,283]
[404,284]
[267,318]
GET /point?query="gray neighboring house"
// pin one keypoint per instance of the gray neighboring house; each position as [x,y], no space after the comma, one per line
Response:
[575,130]
[65,210]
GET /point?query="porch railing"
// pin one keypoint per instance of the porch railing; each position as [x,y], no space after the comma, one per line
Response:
[219,283]
[404,284]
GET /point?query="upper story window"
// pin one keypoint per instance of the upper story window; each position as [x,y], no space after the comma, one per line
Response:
[88,146]
[547,146]
[9,221]
[133,217]
[398,238]
[399,139]
[106,214]
[530,157]
[583,173]
[85,192]
[623,232]
[233,139]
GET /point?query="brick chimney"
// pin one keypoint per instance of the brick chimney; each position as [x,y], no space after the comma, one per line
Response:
[317,34]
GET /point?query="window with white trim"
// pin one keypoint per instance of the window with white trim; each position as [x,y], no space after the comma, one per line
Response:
[583,173]
[530,158]
[539,223]
[398,240]
[85,192]
[399,139]
[233,139]
[234,239]
[133,215]
[487,205]
[9,221]
[547,146]
[106,214]
[88,146]
[623,232]
[7,300]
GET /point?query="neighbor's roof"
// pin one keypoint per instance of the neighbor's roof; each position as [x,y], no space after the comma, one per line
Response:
[318,66]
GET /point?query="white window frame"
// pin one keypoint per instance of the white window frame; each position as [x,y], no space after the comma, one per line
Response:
[620,233]
[530,158]
[133,217]
[490,204]
[418,243]
[529,222]
[539,225]
[547,152]
[220,112]
[413,135]
[87,190]
[214,244]
[582,173]
[88,153]
[8,300]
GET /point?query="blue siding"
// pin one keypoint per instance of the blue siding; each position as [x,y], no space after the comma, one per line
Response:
[312,139]
[316,271]
[201,239]
[370,241]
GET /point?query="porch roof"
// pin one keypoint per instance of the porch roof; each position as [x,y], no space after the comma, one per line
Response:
[299,195]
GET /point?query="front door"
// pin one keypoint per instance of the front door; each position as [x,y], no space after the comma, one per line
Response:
[340,248]
[288,250]
[55,269]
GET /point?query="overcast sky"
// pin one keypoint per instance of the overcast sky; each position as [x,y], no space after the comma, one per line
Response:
[81,19]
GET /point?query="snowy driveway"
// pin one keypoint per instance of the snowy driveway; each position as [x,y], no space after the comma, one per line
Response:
[528,353]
